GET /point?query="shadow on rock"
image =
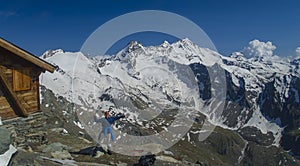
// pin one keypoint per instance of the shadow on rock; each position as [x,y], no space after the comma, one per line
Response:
[146,160]
[92,151]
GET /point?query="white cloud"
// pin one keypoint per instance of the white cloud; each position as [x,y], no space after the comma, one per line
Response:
[298,51]
[257,48]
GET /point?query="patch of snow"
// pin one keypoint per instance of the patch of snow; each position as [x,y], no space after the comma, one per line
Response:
[78,124]
[188,137]
[241,157]
[235,81]
[5,157]
[168,153]
[64,131]
[260,122]
[165,128]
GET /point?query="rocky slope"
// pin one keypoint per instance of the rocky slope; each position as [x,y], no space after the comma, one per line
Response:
[54,139]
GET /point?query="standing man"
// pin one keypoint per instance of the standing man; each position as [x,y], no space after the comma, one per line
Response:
[106,123]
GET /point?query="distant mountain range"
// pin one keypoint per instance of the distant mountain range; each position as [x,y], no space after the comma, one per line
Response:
[261,92]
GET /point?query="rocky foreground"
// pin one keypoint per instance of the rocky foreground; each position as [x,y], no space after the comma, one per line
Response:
[51,138]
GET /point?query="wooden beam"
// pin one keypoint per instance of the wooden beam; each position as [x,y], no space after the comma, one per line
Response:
[26,55]
[11,93]
[38,92]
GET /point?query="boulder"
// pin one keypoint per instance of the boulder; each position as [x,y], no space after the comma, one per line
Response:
[169,153]
[62,155]
[58,150]
[167,159]
[56,146]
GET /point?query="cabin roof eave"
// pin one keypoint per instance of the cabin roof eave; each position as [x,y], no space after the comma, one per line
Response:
[27,56]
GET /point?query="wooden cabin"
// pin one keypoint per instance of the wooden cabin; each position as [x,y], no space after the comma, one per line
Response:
[19,81]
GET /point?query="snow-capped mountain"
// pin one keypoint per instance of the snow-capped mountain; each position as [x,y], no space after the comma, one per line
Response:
[260,92]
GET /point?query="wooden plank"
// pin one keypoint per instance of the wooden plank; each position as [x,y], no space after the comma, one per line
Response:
[7,114]
[24,104]
[3,102]
[29,99]
[33,107]
[13,96]
[26,93]
[2,99]
[9,75]
[6,110]
[27,56]
[38,92]
[33,110]
[4,107]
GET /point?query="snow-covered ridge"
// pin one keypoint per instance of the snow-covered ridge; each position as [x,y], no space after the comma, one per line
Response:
[184,51]
[86,80]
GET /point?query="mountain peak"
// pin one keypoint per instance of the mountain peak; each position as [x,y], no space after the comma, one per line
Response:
[134,45]
[50,53]
[165,44]
[185,43]
[237,55]
[131,47]
[186,40]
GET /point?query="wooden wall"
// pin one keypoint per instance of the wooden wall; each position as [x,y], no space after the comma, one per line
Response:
[28,98]
[6,110]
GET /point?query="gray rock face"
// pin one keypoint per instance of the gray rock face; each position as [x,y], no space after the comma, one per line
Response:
[5,139]
[285,112]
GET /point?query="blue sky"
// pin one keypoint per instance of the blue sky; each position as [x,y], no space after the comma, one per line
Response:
[38,26]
